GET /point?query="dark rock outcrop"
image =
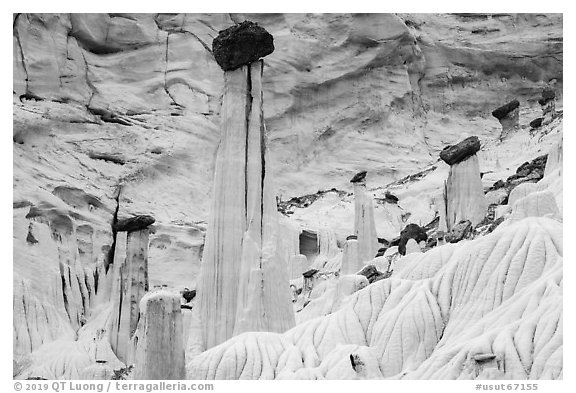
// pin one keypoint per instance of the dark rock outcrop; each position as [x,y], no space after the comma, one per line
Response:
[310,273]
[530,171]
[134,223]
[381,251]
[304,201]
[456,153]
[390,198]
[241,44]
[536,122]
[502,111]
[372,274]
[358,177]
[411,231]
[113,158]
[188,295]
[547,95]
[460,231]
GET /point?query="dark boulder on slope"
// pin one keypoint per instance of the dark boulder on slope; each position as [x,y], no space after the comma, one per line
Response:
[411,231]
[547,95]
[536,122]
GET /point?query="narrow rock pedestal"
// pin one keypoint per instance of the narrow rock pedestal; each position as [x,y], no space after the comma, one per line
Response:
[364,224]
[508,115]
[464,194]
[131,283]
[159,339]
[548,104]
[243,283]
[351,263]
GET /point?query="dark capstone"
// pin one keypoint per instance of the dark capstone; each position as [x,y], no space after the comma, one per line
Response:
[501,112]
[134,223]
[358,177]
[456,153]
[351,237]
[30,97]
[459,232]
[241,44]
[310,273]
[411,231]
[536,122]
[391,198]
[188,294]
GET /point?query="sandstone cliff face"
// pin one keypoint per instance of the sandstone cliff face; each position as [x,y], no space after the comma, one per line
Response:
[112,111]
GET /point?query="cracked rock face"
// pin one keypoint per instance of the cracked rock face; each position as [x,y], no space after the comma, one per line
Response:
[241,44]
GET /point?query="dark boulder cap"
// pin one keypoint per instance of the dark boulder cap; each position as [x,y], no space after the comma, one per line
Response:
[134,223]
[457,153]
[501,112]
[241,44]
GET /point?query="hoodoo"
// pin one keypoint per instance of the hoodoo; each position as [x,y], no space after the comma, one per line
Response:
[464,195]
[131,280]
[165,227]
[548,104]
[243,282]
[364,224]
[159,339]
[351,263]
[508,115]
